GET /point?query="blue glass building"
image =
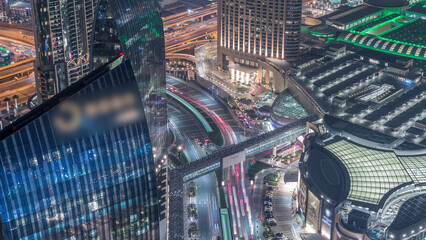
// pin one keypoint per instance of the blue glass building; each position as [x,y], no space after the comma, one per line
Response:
[135,29]
[80,166]
[74,37]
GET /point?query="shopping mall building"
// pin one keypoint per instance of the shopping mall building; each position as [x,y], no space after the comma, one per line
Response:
[356,183]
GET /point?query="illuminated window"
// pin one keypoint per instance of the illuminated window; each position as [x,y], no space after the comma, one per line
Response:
[355,38]
[362,40]
[385,45]
[348,36]
[393,47]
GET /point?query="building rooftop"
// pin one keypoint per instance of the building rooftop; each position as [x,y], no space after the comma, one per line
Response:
[286,106]
[375,167]
[379,91]
[279,64]
[344,15]
[419,8]
[372,172]
[25,5]
[322,29]
[411,212]
[387,3]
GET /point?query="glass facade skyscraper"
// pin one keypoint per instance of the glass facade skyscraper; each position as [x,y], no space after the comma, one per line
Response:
[62,34]
[136,28]
[249,30]
[80,166]
[74,37]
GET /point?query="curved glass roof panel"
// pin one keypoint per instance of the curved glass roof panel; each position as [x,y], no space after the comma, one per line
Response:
[416,167]
[372,173]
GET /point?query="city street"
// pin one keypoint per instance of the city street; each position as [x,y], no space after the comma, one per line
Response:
[257,200]
[236,181]
[206,198]
[186,128]
[282,205]
[211,104]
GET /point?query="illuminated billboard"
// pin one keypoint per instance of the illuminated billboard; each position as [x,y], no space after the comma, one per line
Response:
[312,212]
[302,196]
[327,216]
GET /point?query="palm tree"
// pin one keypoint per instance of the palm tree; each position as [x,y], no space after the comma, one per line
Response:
[6,99]
[16,100]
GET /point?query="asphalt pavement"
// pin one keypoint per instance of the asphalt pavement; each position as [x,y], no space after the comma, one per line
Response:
[186,128]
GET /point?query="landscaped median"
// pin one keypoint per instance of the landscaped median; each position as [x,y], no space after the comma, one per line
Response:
[255,168]
[272,179]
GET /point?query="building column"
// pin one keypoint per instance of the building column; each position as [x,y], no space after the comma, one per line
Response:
[274,151]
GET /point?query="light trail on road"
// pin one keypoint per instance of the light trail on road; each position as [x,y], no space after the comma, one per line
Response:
[235,187]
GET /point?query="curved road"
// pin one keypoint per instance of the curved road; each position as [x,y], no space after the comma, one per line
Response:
[236,183]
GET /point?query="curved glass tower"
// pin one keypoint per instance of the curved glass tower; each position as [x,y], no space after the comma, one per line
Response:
[74,37]
[80,166]
[135,29]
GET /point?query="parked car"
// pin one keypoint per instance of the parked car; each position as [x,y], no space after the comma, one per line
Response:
[271,222]
[268,209]
[269,192]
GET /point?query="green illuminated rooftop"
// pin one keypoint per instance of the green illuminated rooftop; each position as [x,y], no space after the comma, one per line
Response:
[390,32]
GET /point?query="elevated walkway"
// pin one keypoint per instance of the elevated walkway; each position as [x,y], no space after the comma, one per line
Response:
[214,161]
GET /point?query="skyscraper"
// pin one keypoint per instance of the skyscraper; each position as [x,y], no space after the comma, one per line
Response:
[80,166]
[139,32]
[4,8]
[62,34]
[258,29]
[75,37]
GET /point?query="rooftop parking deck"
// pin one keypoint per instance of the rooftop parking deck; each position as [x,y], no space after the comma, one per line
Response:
[348,69]
[351,81]
[405,116]
[329,66]
[396,103]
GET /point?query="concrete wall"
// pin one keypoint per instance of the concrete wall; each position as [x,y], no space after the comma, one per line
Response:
[211,87]
[278,81]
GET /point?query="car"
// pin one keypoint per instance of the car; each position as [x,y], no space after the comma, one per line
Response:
[269,215]
[271,222]
[271,189]
[267,202]
[268,208]
[269,195]
[269,199]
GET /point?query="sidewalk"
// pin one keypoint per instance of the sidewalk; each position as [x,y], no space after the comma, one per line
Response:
[256,199]
[282,205]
